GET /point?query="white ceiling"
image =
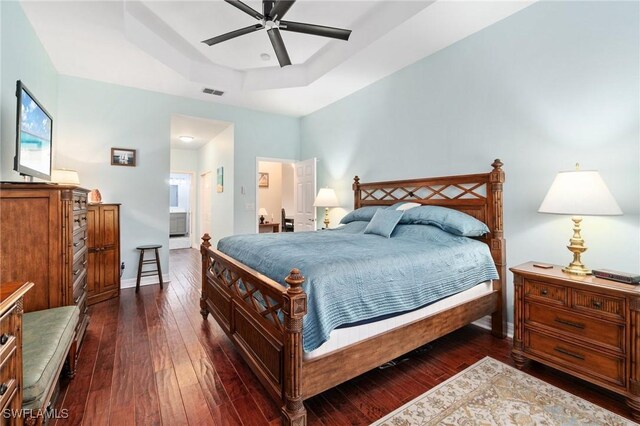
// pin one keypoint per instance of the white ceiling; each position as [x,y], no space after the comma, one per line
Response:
[156,45]
[200,129]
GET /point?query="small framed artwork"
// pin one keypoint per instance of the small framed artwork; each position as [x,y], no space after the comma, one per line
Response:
[263,180]
[123,157]
[220,181]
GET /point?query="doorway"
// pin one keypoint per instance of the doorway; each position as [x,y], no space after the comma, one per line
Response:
[285,192]
[181,207]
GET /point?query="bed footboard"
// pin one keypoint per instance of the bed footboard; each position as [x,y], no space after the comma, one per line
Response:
[263,319]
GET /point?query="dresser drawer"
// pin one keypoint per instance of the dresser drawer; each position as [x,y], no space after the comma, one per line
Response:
[600,304]
[605,333]
[598,365]
[535,290]
[7,330]
[79,201]
[79,288]
[79,221]
[79,241]
[8,377]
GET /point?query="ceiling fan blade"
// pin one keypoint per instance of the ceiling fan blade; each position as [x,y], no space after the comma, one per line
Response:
[246,9]
[280,8]
[318,30]
[267,5]
[278,47]
[233,34]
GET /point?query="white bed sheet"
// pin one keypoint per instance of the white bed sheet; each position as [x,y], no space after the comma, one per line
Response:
[342,337]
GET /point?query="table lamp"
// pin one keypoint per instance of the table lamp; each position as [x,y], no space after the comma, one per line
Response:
[579,193]
[326,198]
[262,212]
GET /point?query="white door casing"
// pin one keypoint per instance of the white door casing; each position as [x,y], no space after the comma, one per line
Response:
[206,186]
[304,180]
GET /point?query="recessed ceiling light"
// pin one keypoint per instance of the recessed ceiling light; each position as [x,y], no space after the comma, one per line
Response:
[186,139]
[265,56]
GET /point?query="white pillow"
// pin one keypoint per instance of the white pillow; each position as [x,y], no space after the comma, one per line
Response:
[407,206]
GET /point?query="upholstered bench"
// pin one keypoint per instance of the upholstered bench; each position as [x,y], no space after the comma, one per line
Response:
[47,339]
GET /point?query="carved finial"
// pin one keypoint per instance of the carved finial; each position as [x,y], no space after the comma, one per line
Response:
[295,280]
[497,163]
[356,180]
[205,240]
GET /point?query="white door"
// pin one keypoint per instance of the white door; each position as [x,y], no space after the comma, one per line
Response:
[206,187]
[304,181]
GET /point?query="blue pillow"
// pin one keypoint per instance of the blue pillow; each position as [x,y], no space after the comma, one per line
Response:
[383,222]
[452,221]
[363,213]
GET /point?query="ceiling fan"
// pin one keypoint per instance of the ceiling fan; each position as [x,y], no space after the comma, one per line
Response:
[271,19]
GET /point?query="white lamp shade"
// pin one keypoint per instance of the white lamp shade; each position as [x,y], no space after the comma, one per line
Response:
[579,193]
[262,211]
[65,177]
[326,198]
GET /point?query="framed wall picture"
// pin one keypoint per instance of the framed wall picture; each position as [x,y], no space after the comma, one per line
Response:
[263,180]
[123,157]
[220,181]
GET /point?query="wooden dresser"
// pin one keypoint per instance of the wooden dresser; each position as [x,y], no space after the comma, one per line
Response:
[104,252]
[44,235]
[584,326]
[11,306]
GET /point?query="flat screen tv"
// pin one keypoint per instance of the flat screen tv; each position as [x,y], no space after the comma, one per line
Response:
[34,131]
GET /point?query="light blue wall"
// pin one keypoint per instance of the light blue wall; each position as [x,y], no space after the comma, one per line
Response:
[23,58]
[95,116]
[551,85]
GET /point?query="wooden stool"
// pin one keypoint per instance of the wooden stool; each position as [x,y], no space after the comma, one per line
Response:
[141,262]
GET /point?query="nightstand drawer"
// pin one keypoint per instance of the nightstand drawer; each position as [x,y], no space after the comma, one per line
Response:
[603,305]
[605,333]
[8,377]
[596,364]
[550,293]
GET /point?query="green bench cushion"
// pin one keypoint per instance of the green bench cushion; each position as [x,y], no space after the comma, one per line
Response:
[46,336]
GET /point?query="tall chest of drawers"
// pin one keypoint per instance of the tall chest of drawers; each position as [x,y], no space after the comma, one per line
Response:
[44,240]
[584,326]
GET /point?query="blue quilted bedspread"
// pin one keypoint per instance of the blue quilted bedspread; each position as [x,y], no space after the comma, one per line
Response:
[351,276]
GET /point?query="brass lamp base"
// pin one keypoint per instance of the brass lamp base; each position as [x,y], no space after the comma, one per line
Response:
[326,218]
[577,247]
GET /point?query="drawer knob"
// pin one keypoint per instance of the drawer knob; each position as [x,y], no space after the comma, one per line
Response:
[76,300]
[4,338]
[3,389]
[544,291]
[76,272]
[597,304]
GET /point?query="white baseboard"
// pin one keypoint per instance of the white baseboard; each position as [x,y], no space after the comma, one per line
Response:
[150,280]
[485,322]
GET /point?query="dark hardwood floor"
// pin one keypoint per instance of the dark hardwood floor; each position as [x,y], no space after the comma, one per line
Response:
[149,358]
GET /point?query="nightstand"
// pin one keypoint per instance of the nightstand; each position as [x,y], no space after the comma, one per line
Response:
[585,326]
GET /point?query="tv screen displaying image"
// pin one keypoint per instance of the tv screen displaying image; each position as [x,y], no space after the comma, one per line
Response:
[33,136]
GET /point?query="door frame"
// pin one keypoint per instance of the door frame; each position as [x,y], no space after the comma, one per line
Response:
[257,176]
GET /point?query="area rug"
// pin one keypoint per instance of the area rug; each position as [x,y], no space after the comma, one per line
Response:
[492,393]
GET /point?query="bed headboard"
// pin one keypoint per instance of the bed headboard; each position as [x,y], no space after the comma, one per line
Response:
[479,195]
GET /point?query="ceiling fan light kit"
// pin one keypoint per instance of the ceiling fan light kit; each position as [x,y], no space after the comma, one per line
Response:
[271,19]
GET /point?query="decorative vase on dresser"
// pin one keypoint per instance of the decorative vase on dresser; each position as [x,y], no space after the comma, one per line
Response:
[44,234]
[104,252]
[585,326]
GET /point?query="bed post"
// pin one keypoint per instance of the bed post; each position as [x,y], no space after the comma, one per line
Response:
[356,193]
[498,249]
[206,264]
[294,308]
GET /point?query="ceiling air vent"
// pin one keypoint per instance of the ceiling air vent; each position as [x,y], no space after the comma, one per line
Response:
[212,91]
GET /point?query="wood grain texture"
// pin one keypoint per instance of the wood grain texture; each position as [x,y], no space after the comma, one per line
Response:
[134,397]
